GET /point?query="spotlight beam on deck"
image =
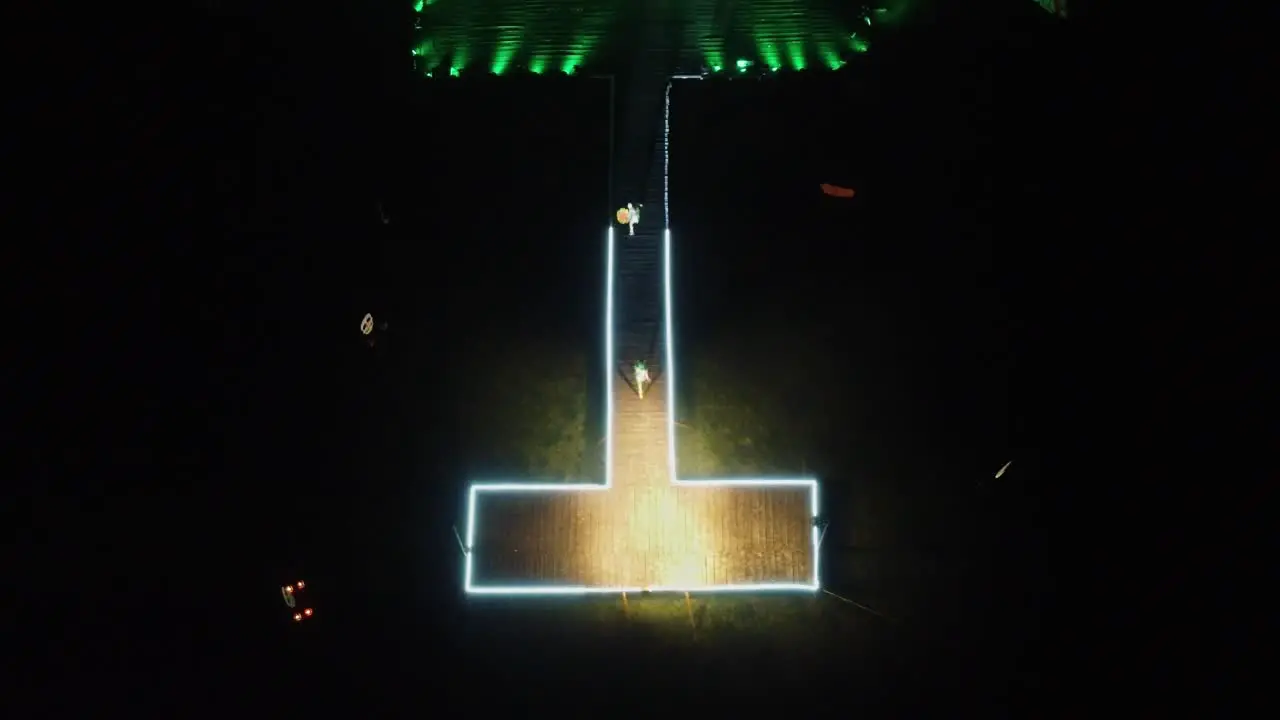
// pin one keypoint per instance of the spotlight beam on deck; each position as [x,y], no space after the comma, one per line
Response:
[810,485]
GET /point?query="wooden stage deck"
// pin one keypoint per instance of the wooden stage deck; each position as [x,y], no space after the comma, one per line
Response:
[644,530]
[644,536]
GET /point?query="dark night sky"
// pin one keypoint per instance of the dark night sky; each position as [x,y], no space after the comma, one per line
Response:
[228,429]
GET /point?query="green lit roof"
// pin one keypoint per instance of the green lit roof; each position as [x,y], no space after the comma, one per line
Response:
[544,36]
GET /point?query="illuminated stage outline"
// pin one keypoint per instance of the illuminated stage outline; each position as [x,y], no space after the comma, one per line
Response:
[526,487]
[670,374]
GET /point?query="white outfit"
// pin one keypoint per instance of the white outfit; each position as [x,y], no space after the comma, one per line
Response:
[642,377]
[633,217]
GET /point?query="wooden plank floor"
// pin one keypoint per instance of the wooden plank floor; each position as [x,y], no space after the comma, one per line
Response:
[640,455]
[641,536]
[644,531]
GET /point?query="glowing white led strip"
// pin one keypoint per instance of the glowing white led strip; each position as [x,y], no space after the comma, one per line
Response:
[666,158]
[519,487]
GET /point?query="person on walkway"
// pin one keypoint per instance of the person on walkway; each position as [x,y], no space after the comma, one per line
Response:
[642,377]
[633,217]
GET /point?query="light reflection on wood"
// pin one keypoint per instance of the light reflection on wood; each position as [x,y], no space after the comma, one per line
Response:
[644,531]
[646,536]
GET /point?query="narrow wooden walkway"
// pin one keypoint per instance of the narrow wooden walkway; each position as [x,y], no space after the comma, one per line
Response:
[645,529]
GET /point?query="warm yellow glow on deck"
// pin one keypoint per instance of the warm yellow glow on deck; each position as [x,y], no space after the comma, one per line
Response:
[675,536]
[643,528]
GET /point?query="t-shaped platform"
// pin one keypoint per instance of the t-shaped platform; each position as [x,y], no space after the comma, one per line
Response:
[642,528]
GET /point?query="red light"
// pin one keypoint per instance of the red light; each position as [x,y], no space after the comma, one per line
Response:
[301,584]
[307,612]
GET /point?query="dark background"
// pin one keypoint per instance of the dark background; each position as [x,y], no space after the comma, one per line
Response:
[210,422]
